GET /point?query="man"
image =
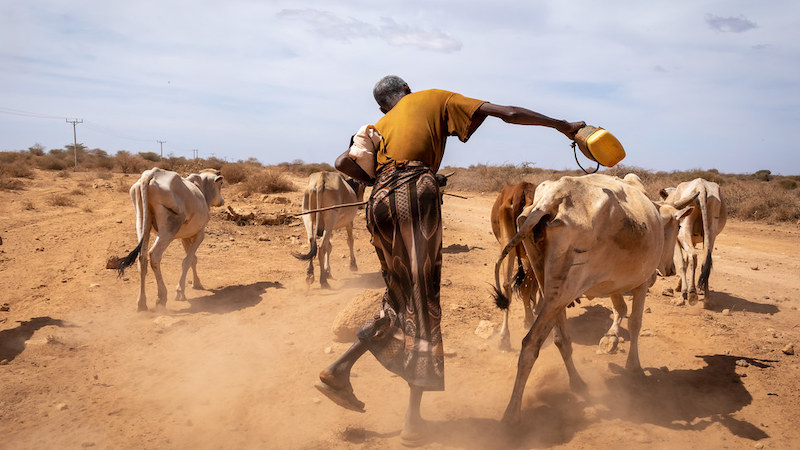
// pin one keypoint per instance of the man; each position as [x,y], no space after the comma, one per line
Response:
[404,218]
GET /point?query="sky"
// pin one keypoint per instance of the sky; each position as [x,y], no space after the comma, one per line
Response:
[683,85]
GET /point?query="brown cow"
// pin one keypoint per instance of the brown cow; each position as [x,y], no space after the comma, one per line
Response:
[593,235]
[509,204]
[177,208]
[328,189]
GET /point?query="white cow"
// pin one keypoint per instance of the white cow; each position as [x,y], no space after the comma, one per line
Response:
[702,225]
[593,235]
[177,208]
[328,189]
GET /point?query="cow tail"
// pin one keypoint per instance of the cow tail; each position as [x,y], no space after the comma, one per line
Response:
[705,271]
[142,223]
[518,204]
[315,217]
[525,231]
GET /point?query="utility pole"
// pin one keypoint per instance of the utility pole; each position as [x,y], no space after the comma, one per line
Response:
[161,144]
[194,152]
[75,138]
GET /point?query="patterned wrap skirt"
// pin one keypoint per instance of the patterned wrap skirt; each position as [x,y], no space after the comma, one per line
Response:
[405,219]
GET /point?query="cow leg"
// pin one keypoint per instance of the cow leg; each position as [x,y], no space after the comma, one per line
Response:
[190,261]
[505,335]
[324,259]
[156,253]
[143,255]
[196,284]
[528,295]
[564,343]
[531,344]
[620,311]
[350,241]
[689,266]
[635,325]
[609,342]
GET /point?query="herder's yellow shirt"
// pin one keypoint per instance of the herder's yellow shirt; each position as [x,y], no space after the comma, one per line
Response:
[416,128]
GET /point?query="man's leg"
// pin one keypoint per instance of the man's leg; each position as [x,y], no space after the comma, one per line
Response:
[414,429]
[335,379]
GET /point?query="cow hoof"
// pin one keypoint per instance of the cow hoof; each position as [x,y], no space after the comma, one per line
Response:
[141,307]
[692,298]
[354,267]
[608,345]
[511,418]
[198,286]
[179,297]
[324,285]
[505,344]
[578,385]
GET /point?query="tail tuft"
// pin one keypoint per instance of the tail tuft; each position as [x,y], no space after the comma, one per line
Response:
[128,261]
[519,278]
[500,299]
[310,255]
[705,272]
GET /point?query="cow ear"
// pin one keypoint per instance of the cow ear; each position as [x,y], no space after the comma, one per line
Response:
[218,179]
[663,193]
[194,178]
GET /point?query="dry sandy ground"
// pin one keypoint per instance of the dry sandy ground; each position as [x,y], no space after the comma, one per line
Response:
[234,367]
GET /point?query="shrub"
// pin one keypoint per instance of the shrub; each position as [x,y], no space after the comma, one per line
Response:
[763,175]
[235,172]
[60,200]
[298,167]
[52,161]
[787,184]
[150,156]
[129,163]
[268,181]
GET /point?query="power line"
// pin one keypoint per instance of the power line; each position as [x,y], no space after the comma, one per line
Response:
[18,112]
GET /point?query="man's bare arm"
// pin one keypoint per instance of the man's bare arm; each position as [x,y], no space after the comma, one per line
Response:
[347,166]
[523,116]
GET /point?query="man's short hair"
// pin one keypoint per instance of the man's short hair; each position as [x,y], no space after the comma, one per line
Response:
[388,90]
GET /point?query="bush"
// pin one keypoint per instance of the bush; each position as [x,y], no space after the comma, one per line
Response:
[129,163]
[150,156]
[787,184]
[60,200]
[235,172]
[268,181]
[52,161]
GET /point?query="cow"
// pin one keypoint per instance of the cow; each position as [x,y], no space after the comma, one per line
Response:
[702,225]
[327,189]
[177,208]
[593,235]
[508,205]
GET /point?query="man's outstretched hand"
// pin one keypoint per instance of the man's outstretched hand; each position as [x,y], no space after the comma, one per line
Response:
[571,128]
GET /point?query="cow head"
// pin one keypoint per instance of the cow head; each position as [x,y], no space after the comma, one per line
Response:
[210,183]
[671,215]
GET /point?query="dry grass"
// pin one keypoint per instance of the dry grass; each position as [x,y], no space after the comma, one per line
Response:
[60,200]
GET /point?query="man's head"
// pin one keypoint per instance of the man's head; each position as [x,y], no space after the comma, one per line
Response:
[388,91]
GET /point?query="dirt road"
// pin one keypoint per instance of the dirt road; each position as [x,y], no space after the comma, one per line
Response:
[234,367]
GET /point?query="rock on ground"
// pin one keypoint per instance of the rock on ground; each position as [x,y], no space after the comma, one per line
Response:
[355,313]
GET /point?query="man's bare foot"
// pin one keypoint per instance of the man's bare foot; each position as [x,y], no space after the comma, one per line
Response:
[415,433]
[339,391]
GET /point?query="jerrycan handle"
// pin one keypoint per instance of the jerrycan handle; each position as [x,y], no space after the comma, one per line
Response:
[575,152]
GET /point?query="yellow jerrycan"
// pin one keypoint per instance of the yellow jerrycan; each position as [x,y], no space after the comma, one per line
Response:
[599,145]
